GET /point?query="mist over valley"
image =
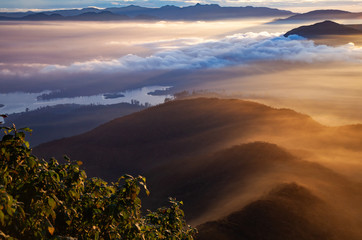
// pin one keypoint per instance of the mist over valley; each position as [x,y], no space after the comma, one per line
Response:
[250,116]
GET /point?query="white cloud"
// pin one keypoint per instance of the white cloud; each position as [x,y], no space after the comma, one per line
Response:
[6,72]
[232,50]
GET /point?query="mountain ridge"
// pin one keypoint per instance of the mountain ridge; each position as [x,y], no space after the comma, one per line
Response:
[289,211]
[195,12]
[323,28]
[320,15]
[220,156]
[159,134]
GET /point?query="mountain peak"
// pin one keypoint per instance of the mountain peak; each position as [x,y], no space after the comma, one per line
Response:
[320,15]
[327,11]
[91,9]
[323,28]
[206,5]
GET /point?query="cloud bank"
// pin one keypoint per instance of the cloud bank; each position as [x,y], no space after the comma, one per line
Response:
[238,49]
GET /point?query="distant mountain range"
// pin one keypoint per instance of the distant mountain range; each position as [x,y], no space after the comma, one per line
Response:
[323,28]
[196,12]
[320,15]
[169,12]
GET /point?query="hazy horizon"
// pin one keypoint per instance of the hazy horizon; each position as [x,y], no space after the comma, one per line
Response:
[256,130]
[291,5]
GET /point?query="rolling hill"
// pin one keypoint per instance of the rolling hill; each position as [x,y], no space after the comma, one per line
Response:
[289,211]
[244,170]
[138,142]
[320,15]
[323,28]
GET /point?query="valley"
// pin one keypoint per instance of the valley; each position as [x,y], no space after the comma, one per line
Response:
[249,115]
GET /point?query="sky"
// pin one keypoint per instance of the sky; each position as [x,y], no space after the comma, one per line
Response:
[293,5]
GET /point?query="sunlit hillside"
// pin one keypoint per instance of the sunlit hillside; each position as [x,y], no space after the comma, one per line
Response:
[222,156]
[248,113]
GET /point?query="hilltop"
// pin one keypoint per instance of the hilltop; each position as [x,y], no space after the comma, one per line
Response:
[244,170]
[320,15]
[323,28]
[289,211]
[190,127]
[173,130]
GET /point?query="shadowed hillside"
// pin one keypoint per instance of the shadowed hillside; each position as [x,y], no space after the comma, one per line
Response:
[144,140]
[323,28]
[61,121]
[289,211]
[138,142]
[206,180]
[219,157]
[214,185]
[319,15]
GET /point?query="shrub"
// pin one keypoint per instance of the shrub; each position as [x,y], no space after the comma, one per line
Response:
[47,200]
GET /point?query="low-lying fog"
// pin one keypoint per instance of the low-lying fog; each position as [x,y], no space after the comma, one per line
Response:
[243,58]
[246,59]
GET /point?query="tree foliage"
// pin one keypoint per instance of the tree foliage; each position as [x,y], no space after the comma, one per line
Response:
[47,200]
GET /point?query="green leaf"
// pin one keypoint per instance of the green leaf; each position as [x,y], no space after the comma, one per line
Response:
[21,135]
[2,218]
[96,237]
[51,191]
[26,129]
[52,204]
[10,211]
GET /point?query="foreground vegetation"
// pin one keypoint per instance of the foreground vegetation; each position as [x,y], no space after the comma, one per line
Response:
[47,200]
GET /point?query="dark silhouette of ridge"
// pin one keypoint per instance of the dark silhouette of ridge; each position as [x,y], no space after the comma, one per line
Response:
[131,10]
[196,12]
[204,152]
[87,16]
[12,15]
[206,178]
[288,212]
[323,28]
[98,16]
[205,183]
[320,15]
[2,18]
[141,141]
[42,17]
[61,121]
[75,12]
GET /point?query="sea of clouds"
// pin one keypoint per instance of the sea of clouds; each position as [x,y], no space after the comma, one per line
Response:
[175,61]
[231,50]
[106,74]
